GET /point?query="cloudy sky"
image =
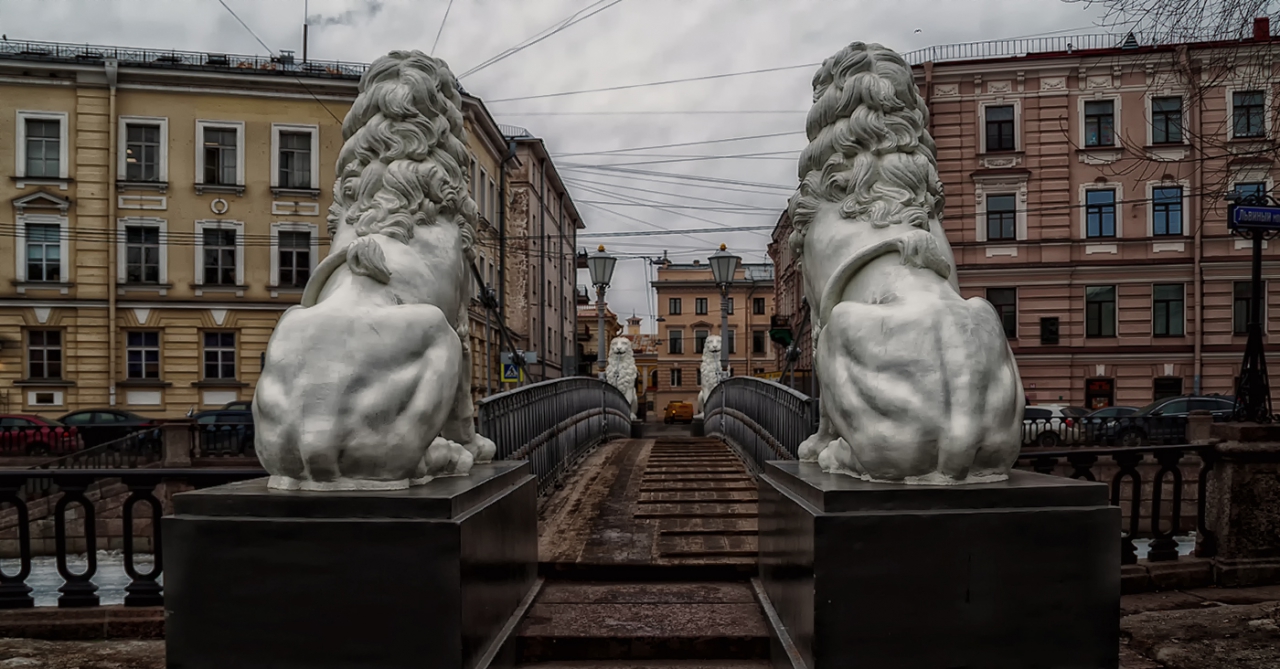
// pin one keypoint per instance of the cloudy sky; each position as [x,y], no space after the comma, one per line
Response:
[616,43]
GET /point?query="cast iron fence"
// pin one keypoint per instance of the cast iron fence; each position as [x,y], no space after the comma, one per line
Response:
[554,423]
[1129,431]
[76,529]
[763,419]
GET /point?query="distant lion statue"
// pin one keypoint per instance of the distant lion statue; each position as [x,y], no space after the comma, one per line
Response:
[366,384]
[710,368]
[918,384]
[621,372]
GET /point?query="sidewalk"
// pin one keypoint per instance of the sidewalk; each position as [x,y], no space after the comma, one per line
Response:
[1204,628]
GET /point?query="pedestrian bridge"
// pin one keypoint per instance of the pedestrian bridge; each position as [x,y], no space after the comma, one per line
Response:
[648,542]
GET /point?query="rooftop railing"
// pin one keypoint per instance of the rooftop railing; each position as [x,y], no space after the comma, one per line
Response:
[283,64]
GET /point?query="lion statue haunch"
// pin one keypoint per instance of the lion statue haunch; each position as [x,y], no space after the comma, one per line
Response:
[621,372]
[918,384]
[366,384]
[710,368]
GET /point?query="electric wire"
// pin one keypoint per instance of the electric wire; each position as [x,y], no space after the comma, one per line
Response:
[667,82]
[441,30]
[572,20]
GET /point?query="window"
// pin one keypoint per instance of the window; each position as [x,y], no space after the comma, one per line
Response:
[1000,128]
[730,309]
[729,344]
[1166,211]
[699,341]
[44,252]
[44,354]
[1099,123]
[1242,303]
[482,197]
[43,148]
[1001,217]
[757,341]
[1005,300]
[700,306]
[1100,213]
[1167,386]
[1168,302]
[673,306]
[1247,114]
[142,355]
[675,378]
[675,342]
[757,306]
[1100,311]
[142,254]
[1166,120]
[295,258]
[220,356]
[220,156]
[1250,188]
[220,257]
[1049,331]
[142,152]
[295,160]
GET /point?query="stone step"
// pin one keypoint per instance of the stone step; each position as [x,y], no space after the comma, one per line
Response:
[695,496]
[698,510]
[707,526]
[584,622]
[651,664]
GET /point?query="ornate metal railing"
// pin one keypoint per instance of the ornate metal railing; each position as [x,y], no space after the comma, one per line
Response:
[554,423]
[1013,48]
[87,496]
[1083,431]
[1154,486]
[283,64]
[762,419]
[222,440]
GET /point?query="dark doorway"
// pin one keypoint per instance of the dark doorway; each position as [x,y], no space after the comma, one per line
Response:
[1099,393]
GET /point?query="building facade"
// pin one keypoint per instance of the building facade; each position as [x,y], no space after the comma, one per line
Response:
[689,311]
[789,323]
[165,208]
[1086,200]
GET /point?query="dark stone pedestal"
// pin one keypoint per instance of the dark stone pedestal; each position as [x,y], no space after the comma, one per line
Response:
[1022,573]
[1242,506]
[433,576]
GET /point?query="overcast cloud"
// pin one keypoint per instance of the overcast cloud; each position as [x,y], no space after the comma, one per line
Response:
[636,41]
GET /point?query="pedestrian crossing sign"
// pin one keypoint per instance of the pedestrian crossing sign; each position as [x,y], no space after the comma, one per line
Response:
[511,373]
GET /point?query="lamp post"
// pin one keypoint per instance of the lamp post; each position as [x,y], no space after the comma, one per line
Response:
[600,265]
[1254,216]
[723,267]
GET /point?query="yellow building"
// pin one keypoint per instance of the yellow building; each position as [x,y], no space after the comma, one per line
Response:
[165,208]
[689,308]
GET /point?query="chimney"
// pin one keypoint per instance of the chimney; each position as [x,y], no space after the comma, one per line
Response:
[1262,29]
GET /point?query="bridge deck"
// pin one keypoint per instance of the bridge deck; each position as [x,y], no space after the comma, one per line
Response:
[647,550]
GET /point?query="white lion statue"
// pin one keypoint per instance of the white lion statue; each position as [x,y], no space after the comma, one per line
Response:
[711,372]
[366,384]
[918,384]
[621,372]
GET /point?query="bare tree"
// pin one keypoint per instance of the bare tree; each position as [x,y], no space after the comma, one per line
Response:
[1174,21]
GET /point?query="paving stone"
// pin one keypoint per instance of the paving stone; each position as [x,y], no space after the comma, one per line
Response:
[646,593]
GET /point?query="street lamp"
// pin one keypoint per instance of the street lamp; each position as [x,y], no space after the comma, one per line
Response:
[600,265]
[723,267]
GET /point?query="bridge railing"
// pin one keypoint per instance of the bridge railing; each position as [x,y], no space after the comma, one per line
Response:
[763,419]
[553,423]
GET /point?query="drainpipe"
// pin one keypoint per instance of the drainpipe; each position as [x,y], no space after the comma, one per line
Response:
[113,158]
[502,234]
[1198,245]
[542,264]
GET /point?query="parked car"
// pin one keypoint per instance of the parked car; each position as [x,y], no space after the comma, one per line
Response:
[1050,425]
[99,426]
[224,432]
[1164,421]
[28,434]
[1094,426]
[678,412]
[239,405]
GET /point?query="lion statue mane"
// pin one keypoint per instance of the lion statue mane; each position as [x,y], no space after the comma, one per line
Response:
[366,383]
[621,371]
[710,368]
[918,384]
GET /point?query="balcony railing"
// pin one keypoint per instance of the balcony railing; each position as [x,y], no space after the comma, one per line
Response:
[283,64]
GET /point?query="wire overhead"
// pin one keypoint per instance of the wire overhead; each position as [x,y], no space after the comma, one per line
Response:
[654,83]
[441,30]
[572,20]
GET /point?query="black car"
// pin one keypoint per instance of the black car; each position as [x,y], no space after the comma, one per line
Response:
[224,432]
[99,426]
[239,405]
[1164,421]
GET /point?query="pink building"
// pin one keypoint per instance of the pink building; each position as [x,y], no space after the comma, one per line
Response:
[1085,181]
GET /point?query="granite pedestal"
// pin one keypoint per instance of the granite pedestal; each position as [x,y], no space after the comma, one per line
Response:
[433,576]
[1022,573]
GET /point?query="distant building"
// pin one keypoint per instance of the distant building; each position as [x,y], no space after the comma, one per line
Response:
[1085,179]
[689,308]
[588,339]
[645,348]
[789,323]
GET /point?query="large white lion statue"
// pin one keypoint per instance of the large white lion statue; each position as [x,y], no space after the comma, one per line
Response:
[918,384]
[710,369]
[366,384]
[621,372]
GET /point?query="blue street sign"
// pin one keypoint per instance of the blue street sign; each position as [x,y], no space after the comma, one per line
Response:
[511,373]
[1255,218]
